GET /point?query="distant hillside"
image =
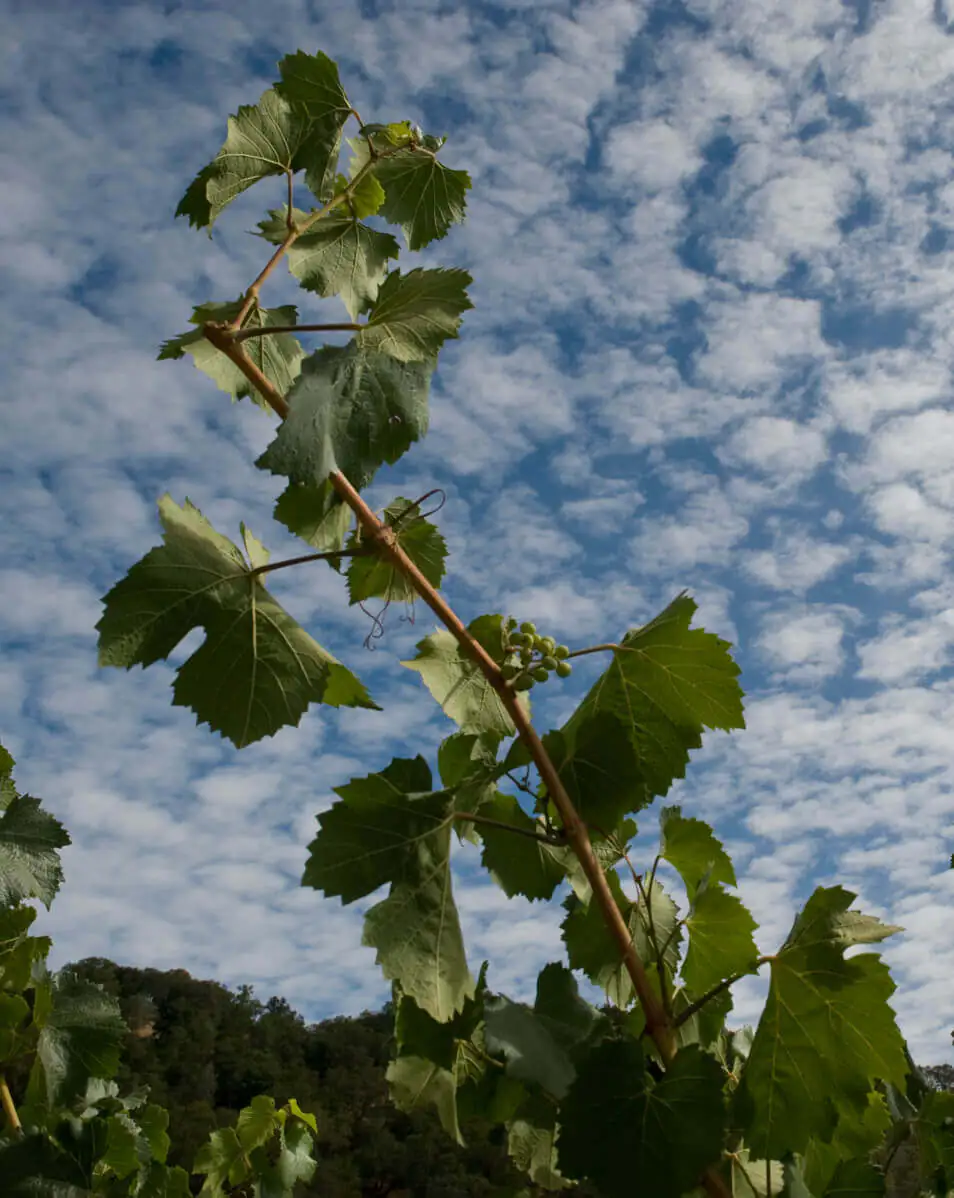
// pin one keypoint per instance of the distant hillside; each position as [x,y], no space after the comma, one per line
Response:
[205,1051]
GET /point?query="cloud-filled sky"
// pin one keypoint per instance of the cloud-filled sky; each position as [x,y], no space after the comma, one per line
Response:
[710,350]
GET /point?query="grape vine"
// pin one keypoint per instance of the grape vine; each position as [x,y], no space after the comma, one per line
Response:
[664,1099]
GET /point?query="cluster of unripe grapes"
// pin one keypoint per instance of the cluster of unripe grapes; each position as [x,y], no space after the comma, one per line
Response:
[531,658]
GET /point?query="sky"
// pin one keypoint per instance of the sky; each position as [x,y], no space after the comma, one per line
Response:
[710,350]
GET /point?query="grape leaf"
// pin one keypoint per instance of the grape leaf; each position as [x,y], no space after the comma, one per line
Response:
[311,82]
[351,410]
[278,356]
[665,682]
[257,669]
[468,765]
[435,1059]
[336,256]
[519,864]
[421,195]
[375,576]
[691,848]
[19,951]
[539,1044]
[720,940]
[825,1034]
[7,789]
[681,1121]
[81,1034]
[272,137]
[532,1142]
[457,682]
[594,759]
[314,513]
[591,948]
[390,827]
[414,314]
[29,858]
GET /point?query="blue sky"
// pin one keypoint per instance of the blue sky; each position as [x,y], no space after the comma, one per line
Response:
[710,350]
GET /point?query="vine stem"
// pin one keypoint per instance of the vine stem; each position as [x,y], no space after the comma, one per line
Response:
[9,1109]
[658,1024]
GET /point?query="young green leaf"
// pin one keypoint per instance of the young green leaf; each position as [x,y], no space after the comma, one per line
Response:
[257,670]
[825,1034]
[421,195]
[351,410]
[272,137]
[375,577]
[314,513]
[336,256]
[721,943]
[390,827]
[691,848]
[311,82]
[681,1121]
[278,356]
[414,314]
[457,682]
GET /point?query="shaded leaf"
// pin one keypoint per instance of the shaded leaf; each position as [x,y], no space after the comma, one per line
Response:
[421,195]
[691,848]
[350,410]
[519,864]
[375,577]
[278,356]
[30,840]
[680,1121]
[314,513]
[391,828]
[721,942]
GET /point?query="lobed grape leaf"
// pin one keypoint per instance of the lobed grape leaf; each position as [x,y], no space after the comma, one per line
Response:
[336,256]
[390,827]
[591,947]
[421,195]
[19,951]
[664,684]
[721,943]
[826,1033]
[350,410]
[281,134]
[519,864]
[257,669]
[532,1142]
[376,577]
[414,314]
[314,513]
[81,1034]
[681,1121]
[278,356]
[457,682]
[30,840]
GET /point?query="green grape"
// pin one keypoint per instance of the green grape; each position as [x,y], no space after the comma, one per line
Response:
[540,674]
[523,683]
[564,669]
[539,641]
[508,670]
[526,656]
[528,628]
[561,651]
[548,644]
[520,638]
[549,663]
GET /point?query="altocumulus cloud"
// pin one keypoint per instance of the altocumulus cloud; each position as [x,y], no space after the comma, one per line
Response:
[710,244]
